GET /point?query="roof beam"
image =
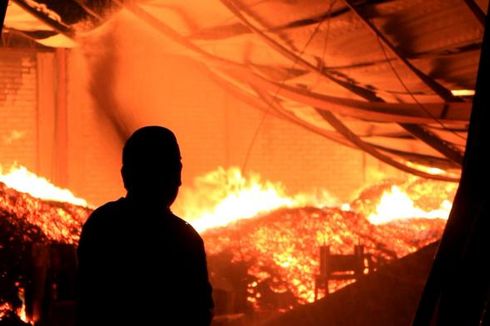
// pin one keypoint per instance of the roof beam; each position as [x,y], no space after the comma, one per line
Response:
[294,93]
[476,10]
[379,111]
[347,133]
[431,139]
[57,26]
[437,88]
[274,104]
[360,91]
[274,107]
[342,139]
[89,10]
[423,134]
[436,162]
[451,152]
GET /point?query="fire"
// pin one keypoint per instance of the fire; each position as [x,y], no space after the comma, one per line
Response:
[21,179]
[262,241]
[280,248]
[5,307]
[22,310]
[226,195]
[396,204]
[54,219]
[406,199]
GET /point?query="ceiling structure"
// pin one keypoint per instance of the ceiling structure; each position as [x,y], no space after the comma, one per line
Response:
[393,78]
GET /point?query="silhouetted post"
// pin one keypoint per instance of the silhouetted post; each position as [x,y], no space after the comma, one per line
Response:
[359,255]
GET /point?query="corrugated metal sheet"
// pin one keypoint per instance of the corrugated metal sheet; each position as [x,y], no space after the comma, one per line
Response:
[410,65]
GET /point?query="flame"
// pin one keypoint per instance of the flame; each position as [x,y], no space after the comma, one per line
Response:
[277,250]
[4,308]
[396,204]
[21,179]
[223,196]
[22,313]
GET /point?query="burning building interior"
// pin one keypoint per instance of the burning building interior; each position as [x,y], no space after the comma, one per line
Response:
[322,143]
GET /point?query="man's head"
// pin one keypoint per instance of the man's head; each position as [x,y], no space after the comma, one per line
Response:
[151,165]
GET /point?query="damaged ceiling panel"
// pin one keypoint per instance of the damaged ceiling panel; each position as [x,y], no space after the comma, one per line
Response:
[393,78]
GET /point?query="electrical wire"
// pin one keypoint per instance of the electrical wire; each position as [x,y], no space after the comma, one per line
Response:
[279,87]
[420,105]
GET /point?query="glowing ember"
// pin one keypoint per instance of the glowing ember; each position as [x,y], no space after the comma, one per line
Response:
[396,204]
[279,250]
[4,309]
[405,199]
[274,258]
[23,180]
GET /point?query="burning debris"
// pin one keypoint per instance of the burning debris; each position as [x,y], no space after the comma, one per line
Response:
[58,220]
[277,253]
[271,261]
[26,225]
[266,262]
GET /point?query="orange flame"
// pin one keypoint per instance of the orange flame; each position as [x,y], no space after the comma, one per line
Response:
[21,179]
[57,218]
[396,204]
[226,195]
[22,313]
[5,308]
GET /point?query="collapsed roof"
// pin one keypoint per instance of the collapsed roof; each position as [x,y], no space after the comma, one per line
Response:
[393,78]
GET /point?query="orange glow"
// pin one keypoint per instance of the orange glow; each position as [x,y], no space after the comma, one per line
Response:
[395,204]
[226,195]
[21,179]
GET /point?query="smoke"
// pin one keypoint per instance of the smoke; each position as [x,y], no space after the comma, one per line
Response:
[101,54]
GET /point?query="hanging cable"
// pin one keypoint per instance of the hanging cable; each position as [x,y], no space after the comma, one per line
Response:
[276,93]
[420,105]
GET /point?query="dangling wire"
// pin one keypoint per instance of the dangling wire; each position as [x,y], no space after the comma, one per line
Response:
[279,87]
[327,34]
[438,121]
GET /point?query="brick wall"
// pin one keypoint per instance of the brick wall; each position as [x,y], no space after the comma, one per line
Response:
[18,108]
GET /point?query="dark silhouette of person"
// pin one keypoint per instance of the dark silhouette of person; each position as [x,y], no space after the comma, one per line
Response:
[139,264]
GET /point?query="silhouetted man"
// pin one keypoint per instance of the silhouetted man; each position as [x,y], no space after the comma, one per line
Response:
[139,264]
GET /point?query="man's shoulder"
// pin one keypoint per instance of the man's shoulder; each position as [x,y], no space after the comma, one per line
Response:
[185,227]
[105,213]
